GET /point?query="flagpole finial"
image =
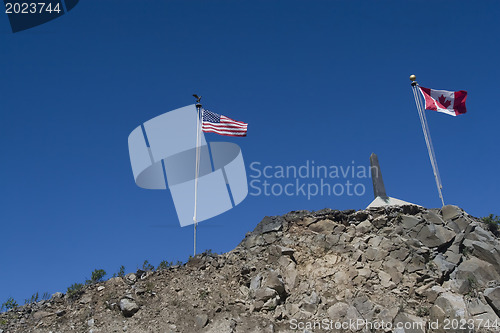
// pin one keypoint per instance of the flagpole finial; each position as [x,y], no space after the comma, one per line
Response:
[198,99]
[413,79]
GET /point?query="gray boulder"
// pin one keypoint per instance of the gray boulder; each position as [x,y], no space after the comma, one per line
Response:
[451,212]
[480,310]
[263,294]
[128,307]
[473,273]
[449,306]
[409,222]
[432,235]
[492,295]
[131,278]
[201,320]
[269,224]
[274,281]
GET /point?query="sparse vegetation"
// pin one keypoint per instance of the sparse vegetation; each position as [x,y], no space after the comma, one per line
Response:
[471,281]
[492,224]
[9,304]
[33,299]
[423,311]
[209,252]
[171,287]
[203,294]
[146,266]
[121,272]
[466,252]
[74,290]
[165,264]
[97,276]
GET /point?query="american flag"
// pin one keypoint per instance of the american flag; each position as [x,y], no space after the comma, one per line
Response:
[216,123]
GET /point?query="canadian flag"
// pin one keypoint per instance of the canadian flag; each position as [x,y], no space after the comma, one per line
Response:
[449,102]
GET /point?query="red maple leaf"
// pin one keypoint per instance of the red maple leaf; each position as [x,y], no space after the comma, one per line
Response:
[444,102]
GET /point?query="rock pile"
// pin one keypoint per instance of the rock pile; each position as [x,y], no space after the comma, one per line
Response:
[389,269]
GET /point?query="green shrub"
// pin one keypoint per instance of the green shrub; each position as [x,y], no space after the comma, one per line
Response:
[209,252]
[33,299]
[9,304]
[492,223]
[97,276]
[121,271]
[203,294]
[164,264]
[146,266]
[74,290]
[423,311]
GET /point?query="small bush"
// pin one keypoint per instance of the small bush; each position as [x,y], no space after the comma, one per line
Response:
[164,264]
[423,311]
[492,223]
[74,290]
[203,294]
[121,271]
[209,252]
[97,276]
[472,282]
[33,299]
[146,266]
[46,296]
[9,304]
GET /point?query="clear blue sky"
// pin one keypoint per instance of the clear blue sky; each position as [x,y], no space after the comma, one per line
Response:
[316,80]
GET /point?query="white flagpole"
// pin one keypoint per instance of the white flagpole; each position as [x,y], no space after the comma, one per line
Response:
[427,135]
[197,167]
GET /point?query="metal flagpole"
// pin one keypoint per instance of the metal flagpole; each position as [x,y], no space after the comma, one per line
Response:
[197,167]
[427,135]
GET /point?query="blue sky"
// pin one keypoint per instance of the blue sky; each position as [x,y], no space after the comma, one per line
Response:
[322,81]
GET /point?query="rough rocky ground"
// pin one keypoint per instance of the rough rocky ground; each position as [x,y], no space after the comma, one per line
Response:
[304,272]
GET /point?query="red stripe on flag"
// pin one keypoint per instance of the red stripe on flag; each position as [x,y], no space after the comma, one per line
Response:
[459,103]
[225,132]
[429,101]
[223,128]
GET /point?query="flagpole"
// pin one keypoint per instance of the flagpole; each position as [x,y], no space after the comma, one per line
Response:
[197,166]
[427,135]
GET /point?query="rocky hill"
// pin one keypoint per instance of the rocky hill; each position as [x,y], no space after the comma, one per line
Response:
[390,269]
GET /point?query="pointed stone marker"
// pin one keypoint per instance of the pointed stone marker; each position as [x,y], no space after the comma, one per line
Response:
[378,182]
[381,198]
